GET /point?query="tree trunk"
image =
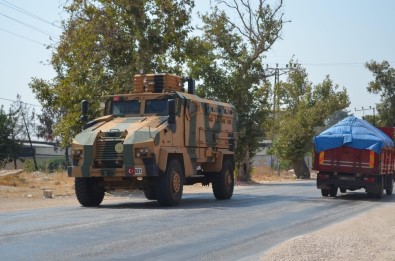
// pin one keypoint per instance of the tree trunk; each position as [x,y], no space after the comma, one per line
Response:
[301,169]
[31,144]
[66,154]
[243,173]
[14,160]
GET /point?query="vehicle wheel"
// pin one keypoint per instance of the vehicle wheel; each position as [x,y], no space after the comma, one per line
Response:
[150,193]
[89,191]
[390,185]
[343,190]
[325,192]
[170,184]
[223,181]
[380,192]
[371,195]
[333,191]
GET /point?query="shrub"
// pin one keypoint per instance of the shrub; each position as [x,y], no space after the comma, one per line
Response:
[55,164]
[50,165]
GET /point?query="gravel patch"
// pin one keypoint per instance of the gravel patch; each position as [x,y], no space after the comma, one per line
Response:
[369,236]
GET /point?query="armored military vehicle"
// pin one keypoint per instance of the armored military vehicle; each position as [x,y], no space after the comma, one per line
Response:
[157,139]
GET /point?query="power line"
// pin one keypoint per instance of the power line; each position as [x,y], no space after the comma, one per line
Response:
[30,26]
[26,38]
[337,63]
[35,105]
[19,9]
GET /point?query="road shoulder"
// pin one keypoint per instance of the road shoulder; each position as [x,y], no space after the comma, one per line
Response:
[368,236]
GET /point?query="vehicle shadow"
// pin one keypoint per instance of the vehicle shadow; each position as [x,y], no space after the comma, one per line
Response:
[363,196]
[243,199]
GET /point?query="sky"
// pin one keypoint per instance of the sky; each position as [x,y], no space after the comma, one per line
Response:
[327,37]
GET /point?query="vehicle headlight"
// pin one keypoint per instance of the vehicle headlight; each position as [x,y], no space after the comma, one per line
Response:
[143,153]
[76,153]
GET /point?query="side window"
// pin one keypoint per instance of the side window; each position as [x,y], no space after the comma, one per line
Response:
[125,107]
[158,107]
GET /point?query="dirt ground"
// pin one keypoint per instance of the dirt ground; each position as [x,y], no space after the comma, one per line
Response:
[366,237]
[22,190]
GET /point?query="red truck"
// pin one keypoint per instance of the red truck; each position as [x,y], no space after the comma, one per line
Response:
[353,155]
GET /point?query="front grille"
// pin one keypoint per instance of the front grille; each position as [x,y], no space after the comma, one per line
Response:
[106,155]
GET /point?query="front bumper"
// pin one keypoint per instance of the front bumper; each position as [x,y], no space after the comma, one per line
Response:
[126,171]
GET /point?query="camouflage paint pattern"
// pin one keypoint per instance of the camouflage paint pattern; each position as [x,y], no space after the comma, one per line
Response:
[203,134]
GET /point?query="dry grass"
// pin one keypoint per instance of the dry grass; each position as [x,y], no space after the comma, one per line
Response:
[32,184]
[267,174]
[13,180]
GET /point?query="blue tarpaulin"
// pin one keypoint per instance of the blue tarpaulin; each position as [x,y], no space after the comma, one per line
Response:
[355,133]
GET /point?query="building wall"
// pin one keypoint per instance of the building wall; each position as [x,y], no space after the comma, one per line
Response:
[43,153]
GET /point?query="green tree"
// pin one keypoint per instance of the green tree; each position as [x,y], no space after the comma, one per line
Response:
[373,119]
[304,107]
[383,84]
[23,122]
[332,120]
[104,44]
[8,146]
[228,59]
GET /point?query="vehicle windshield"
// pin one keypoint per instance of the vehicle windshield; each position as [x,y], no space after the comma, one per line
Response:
[125,107]
[158,107]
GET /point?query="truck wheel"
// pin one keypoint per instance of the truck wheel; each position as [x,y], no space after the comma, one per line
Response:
[223,181]
[333,191]
[343,190]
[149,193]
[325,192]
[89,191]
[380,192]
[390,185]
[170,184]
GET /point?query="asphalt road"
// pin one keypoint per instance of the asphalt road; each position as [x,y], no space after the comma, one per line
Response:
[201,228]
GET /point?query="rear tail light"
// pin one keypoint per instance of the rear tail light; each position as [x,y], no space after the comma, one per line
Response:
[369,180]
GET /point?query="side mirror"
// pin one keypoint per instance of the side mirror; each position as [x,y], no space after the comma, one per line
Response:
[191,86]
[84,111]
[171,105]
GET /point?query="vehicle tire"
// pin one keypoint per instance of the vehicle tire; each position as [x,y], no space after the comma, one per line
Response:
[89,191]
[223,182]
[343,190]
[170,184]
[380,192]
[380,195]
[371,195]
[325,192]
[150,192]
[333,191]
[390,185]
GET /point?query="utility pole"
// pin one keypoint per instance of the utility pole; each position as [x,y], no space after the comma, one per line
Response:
[368,109]
[276,72]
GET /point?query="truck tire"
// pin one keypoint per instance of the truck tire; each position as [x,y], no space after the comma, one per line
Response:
[223,181]
[343,190]
[325,192]
[89,191]
[390,185]
[170,184]
[333,191]
[380,191]
[149,193]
